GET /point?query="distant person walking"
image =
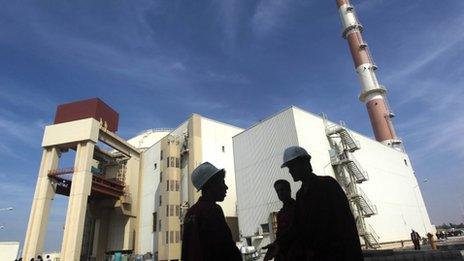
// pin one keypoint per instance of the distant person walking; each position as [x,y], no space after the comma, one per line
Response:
[286,213]
[323,227]
[206,235]
[415,237]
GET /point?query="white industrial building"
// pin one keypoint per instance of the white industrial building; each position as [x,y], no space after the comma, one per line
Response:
[384,188]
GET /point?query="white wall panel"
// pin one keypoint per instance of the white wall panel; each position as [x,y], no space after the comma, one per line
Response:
[393,188]
[149,184]
[311,136]
[258,154]
[214,136]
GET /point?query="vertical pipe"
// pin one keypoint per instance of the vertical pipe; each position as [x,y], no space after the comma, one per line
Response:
[372,94]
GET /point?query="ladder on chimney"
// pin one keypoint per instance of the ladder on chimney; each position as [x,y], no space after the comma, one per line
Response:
[350,173]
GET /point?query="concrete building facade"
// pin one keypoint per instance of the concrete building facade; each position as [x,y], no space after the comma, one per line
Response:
[166,189]
[391,206]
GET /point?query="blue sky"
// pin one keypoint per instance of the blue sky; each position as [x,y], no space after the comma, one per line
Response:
[156,62]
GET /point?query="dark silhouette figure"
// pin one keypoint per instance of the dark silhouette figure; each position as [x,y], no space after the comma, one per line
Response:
[323,227]
[39,257]
[415,237]
[286,213]
[206,235]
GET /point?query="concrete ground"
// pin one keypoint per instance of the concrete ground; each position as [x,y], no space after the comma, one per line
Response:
[450,249]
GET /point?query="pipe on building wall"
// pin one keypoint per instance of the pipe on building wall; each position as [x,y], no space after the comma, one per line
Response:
[372,94]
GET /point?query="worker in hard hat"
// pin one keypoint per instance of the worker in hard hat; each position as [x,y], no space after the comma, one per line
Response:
[206,236]
[323,227]
[286,213]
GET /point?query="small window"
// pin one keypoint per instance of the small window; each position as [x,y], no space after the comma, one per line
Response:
[171,210]
[156,166]
[177,236]
[177,163]
[172,185]
[161,176]
[223,149]
[155,219]
[405,162]
[167,210]
[161,155]
[167,184]
[171,239]
[265,227]
[167,237]
[160,200]
[173,162]
[167,162]
[177,211]
[177,185]
[159,227]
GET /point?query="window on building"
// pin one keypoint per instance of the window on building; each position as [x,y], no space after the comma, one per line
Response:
[172,185]
[177,236]
[160,200]
[173,162]
[167,184]
[177,185]
[161,176]
[171,210]
[167,237]
[161,155]
[171,237]
[159,227]
[167,210]
[177,210]
[223,149]
[405,162]
[265,227]
[177,163]
[167,162]
[155,219]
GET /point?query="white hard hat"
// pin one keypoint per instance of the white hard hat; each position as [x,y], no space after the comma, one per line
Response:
[203,173]
[292,153]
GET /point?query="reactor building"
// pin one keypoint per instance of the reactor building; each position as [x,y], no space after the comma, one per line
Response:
[130,196]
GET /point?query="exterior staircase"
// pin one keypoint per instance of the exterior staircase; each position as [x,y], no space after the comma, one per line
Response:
[350,174]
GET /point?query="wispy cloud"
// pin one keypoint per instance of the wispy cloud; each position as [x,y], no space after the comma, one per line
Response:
[269,15]
[228,18]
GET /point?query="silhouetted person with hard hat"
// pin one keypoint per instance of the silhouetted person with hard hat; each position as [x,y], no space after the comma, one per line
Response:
[286,213]
[206,236]
[323,227]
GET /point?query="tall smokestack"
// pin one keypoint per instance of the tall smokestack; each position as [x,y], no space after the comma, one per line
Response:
[372,94]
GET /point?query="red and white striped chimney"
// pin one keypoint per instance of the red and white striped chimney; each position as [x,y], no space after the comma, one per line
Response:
[372,94]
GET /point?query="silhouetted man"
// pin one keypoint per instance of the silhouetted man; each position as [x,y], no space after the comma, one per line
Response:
[206,235]
[323,227]
[415,237]
[286,213]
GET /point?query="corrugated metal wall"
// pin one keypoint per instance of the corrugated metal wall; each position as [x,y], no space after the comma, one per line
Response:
[258,154]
